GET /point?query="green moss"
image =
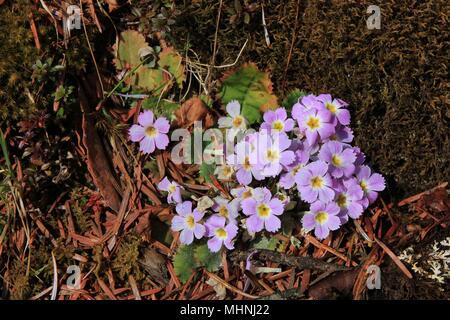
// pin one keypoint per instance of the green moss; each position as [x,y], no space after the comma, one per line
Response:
[394,78]
[18,53]
[125,261]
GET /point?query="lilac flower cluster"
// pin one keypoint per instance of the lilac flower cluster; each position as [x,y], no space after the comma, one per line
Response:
[306,155]
[310,152]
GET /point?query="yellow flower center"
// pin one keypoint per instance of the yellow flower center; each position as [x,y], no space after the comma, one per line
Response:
[246,164]
[237,121]
[221,233]
[227,171]
[321,217]
[363,185]
[263,210]
[247,194]
[341,200]
[223,211]
[190,222]
[313,123]
[277,125]
[151,131]
[172,188]
[336,160]
[331,107]
[296,169]
[273,155]
[317,182]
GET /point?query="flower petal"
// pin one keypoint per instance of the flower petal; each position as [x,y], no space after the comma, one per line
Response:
[187,236]
[162,124]
[272,224]
[225,122]
[199,231]
[147,145]
[214,244]
[277,206]
[308,221]
[145,118]
[248,206]
[233,108]
[376,182]
[164,184]
[162,140]
[136,133]
[321,232]
[184,208]
[178,223]
[254,224]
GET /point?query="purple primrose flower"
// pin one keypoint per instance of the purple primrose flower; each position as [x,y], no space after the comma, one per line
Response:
[173,189]
[314,182]
[187,221]
[322,218]
[220,233]
[263,214]
[149,133]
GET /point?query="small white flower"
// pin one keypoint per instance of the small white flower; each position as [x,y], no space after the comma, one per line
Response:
[224,172]
[235,121]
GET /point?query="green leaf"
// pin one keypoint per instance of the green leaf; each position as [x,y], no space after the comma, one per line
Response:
[60,112]
[292,98]
[4,148]
[267,244]
[60,93]
[169,69]
[171,61]
[127,49]
[252,88]
[184,262]
[163,107]
[207,170]
[210,260]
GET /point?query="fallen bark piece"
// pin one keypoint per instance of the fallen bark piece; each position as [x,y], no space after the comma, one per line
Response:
[98,163]
[287,260]
[339,282]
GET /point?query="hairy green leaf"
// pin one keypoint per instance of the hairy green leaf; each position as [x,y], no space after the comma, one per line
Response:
[184,262]
[131,53]
[292,98]
[207,170]
[210,260]
[267,244]
[252,88]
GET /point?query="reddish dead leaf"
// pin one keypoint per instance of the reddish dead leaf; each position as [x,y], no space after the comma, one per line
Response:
[143,225]
[418,196]
[436,201]
[192,110]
